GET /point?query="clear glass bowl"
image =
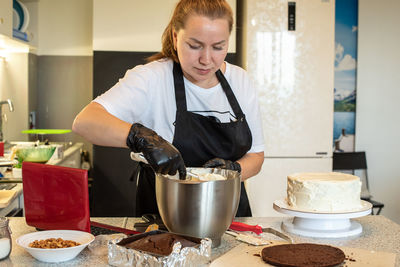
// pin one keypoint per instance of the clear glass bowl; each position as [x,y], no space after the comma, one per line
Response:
[39,154]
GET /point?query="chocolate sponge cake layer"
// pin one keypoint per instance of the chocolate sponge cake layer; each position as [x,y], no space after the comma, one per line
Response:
[160,244]
[302,255]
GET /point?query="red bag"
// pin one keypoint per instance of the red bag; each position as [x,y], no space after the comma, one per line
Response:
[55,197]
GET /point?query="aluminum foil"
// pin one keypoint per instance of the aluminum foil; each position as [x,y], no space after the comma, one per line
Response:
[189,256]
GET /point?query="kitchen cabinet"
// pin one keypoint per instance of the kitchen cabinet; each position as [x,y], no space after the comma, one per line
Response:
[6,17]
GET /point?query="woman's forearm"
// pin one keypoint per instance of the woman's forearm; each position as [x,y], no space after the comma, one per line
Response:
[251,164]
[99,127]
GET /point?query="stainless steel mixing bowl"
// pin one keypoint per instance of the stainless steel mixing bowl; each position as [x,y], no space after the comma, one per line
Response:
[199,209]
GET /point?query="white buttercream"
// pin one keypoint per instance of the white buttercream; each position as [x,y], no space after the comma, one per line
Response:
[324,192]
[205,177]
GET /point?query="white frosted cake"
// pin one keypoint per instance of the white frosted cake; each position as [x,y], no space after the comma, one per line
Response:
[324,192]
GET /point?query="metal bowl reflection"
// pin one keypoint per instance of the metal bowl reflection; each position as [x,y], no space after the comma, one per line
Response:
[199,209]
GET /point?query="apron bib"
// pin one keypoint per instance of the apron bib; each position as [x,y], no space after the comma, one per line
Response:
[199,139]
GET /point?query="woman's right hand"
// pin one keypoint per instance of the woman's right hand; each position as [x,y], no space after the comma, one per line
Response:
[161,155]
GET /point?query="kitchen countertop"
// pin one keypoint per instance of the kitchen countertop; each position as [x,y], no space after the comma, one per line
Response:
[13,203]
[379,234]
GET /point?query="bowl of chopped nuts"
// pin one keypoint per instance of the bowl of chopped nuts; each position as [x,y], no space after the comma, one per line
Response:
[55,245]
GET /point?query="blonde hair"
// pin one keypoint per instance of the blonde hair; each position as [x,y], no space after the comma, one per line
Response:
[213,9]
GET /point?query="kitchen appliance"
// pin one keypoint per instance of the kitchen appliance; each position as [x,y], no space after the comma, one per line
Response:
[199,209]
[289,55]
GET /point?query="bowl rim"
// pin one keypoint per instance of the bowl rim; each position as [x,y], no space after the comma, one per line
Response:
[30,147]
[173,178]
[38,154]
[18,241]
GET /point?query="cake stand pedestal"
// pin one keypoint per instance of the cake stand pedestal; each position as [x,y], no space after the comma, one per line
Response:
[319,224]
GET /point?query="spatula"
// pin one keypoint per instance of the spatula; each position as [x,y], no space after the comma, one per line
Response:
[139,157]
[239,226]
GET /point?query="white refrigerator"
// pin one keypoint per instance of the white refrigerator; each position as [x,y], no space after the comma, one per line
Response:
[289,53]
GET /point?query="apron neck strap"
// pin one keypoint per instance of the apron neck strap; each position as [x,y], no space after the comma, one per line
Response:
[229,94]
[180,95]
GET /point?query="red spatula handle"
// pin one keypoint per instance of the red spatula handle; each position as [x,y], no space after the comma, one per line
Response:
[238,226]
[115,228]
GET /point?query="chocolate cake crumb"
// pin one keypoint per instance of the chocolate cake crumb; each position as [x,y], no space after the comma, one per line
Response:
[350,259]
[304,254]
[257,255]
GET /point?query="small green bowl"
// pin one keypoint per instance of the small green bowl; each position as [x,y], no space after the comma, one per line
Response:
[38,154]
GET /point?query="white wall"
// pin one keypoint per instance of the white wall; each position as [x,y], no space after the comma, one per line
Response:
[6,18]
[13,85]
[135,25]
[378,96]
[65,27]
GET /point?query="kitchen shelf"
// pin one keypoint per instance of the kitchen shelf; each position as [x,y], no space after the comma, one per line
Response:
[26,37]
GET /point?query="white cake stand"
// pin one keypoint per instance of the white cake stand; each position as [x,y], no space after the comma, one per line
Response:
[320,224]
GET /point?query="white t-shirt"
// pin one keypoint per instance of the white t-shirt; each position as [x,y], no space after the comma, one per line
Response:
[146,95]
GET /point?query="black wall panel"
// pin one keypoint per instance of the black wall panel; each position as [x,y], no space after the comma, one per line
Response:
[113,190]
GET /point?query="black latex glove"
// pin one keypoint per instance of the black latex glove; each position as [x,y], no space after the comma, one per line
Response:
[223,164]
[162,156]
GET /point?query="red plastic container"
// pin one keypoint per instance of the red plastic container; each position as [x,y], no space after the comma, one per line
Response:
[1,149]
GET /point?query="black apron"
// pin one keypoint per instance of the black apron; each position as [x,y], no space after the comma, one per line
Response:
[199,139]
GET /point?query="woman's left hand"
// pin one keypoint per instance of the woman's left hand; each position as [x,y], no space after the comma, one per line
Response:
[223,164]
[248,166]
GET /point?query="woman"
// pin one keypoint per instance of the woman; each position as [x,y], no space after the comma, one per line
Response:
[186,95]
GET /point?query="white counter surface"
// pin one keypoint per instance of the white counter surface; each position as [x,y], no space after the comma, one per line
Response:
[380,234]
